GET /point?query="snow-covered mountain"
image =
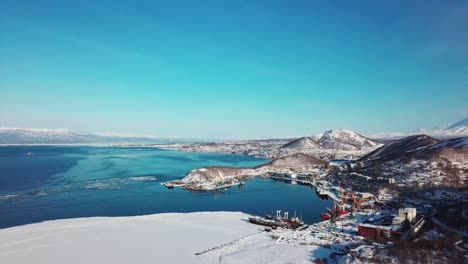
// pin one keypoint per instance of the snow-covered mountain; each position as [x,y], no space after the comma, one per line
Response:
[342,139]
[458,125]
[337,139]
[458,129]
[60,136]
[446,131]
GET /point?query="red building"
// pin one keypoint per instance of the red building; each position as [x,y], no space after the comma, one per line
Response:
[374,232]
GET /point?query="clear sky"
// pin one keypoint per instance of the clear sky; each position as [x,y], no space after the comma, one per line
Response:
[233,69]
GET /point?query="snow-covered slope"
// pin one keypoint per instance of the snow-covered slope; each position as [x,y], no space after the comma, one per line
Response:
[159,238]
[460,124]
[453,143]
[337,139]
[58,136]
[342,139]
[400,147]
[296,160]
[446,131]
[200,237]
[301,143]
[419,160]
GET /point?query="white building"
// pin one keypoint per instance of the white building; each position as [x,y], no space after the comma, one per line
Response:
[408,212]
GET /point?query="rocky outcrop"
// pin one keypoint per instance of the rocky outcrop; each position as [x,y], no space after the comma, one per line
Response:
[215,174]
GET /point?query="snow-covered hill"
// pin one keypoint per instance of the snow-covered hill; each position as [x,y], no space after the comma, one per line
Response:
[342,139]
[419,160]
[337,139]
[331,144]
[301,143]
[398,148]
[298,160]
[59,136]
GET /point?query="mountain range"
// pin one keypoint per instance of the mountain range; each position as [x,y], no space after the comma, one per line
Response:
[62,136]
[337,139]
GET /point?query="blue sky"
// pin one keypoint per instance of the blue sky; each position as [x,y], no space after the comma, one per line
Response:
[233,69]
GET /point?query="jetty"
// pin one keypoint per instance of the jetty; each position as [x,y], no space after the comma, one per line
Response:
[202,186]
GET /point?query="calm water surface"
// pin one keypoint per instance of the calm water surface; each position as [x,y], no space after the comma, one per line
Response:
[65,182]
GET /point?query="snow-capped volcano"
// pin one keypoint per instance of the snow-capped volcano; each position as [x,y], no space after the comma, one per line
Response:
[445,131]
[458,129]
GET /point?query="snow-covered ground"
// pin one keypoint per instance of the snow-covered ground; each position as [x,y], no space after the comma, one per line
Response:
[221,237]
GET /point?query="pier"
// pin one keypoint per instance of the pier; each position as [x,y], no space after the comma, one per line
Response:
[305,182]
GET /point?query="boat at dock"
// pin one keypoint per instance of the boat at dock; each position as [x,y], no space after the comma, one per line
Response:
[337,211]
[263,222]
[278,221]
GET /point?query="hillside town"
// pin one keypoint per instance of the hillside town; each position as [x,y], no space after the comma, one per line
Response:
[398,201]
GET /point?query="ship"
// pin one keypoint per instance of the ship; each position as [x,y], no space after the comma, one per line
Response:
[263,222]
[278,221]
[321,194]
[336,212]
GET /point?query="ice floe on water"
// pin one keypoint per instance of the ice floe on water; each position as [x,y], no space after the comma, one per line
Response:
[102,186]
[97,184]
[10,196]
[23,195]
[144,178]
[117,183]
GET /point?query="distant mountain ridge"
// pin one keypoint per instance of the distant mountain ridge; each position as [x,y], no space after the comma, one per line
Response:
[445,131]
[61,136]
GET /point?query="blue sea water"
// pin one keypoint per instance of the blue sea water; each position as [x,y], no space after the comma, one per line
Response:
[58,182]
